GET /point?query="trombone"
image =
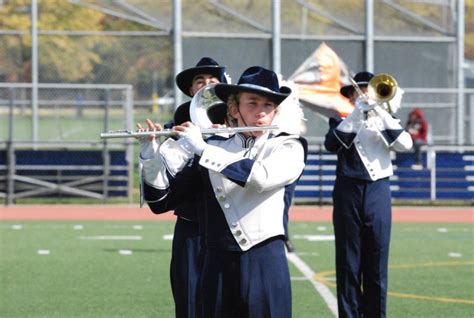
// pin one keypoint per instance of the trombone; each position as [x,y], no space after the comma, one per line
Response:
[381,88]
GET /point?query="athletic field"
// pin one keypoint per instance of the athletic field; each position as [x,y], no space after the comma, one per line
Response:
[113,261]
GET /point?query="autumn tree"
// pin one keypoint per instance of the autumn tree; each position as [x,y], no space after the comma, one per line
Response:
[67,58]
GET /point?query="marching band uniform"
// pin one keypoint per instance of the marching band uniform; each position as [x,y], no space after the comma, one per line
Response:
[245,270]
[186,257]
[186,249]
[362,202]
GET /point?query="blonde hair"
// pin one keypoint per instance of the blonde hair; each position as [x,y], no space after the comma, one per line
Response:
[232,101]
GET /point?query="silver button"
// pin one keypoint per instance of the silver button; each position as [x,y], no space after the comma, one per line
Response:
[219,189]
[233,225]
[243,241]
[213,163]
[238,233]
[221,197]
[207,160]
[227,205]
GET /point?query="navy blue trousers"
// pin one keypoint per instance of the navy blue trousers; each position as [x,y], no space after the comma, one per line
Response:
[185,267]
[362,223]
[254,284]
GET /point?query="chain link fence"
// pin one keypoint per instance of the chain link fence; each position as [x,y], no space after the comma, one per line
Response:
[133,43]
[64,155]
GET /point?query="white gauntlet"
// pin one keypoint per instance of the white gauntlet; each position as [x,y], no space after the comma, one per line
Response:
[353,122]
[148,149]
[191,140]
[389,122]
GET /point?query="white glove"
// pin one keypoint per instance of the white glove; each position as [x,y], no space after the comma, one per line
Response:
[381,111]
[388,121]
[365,105]
[148,148]
[191,140]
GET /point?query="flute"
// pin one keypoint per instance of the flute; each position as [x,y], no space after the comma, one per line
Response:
[171,132]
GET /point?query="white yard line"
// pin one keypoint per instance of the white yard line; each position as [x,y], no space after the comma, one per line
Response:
[322,289]
[112,238]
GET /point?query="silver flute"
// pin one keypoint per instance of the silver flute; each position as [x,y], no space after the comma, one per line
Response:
[171,132]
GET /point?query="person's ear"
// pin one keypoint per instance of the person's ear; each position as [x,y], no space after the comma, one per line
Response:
[232,110]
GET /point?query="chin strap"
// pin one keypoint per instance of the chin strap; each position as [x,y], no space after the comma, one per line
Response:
[245,123]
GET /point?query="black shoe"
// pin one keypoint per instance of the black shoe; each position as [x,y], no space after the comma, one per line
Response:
[289,246]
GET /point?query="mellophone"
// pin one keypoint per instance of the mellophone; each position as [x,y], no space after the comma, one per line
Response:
[171,132]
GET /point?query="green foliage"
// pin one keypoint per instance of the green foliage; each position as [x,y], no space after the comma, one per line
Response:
[469,29]
[78,58]
[69,59]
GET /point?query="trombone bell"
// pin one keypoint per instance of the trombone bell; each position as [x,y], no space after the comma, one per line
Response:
[382,88]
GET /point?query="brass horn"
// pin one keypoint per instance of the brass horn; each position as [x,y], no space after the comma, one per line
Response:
[382,88]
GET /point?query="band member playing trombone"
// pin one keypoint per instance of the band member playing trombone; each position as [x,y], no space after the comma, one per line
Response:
[362,198]
[243,178]
[186,257]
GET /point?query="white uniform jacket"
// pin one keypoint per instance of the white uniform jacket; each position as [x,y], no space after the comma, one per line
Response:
[363,142]
[243,181]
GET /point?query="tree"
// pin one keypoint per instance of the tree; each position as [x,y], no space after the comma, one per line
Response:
[469,29]
[71,59]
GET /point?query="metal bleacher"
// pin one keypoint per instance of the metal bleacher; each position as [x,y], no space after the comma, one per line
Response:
[103,173]
[88,172]
[447,174]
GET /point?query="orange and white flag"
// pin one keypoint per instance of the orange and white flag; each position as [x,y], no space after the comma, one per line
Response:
[318,81]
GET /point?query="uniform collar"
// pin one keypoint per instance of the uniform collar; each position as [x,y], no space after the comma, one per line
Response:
[244,142]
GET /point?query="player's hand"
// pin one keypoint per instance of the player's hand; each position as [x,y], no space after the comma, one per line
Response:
[148,144]
[365,105]
[191,138]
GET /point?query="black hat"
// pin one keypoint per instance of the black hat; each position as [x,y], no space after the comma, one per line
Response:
[362,79]
[181,114]
[255,79]
[206,65]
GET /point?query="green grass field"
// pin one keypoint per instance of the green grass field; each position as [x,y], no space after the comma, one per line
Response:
[121,269]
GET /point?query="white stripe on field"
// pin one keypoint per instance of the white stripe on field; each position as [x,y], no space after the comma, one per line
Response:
[112,238]
[298,278]
[322,289]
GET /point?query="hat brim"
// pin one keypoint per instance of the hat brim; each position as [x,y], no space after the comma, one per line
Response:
[348,89]
[184,80]
[223,91]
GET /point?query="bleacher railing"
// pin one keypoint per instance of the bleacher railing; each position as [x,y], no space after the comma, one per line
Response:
[447,174]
